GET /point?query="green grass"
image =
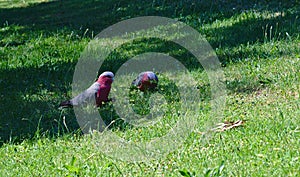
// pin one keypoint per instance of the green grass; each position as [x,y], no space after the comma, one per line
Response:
[258,44]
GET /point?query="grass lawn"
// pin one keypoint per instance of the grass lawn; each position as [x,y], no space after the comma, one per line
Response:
[257,43]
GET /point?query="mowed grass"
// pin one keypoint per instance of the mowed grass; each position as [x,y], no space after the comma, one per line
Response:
[258,45]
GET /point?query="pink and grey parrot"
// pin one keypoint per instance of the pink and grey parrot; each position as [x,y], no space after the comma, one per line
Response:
[98,91]
[146,81]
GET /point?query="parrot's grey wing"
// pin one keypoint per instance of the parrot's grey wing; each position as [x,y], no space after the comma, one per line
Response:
[152,76]
[87,96]
[138,80]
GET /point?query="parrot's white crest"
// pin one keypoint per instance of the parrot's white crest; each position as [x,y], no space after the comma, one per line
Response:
[107,73]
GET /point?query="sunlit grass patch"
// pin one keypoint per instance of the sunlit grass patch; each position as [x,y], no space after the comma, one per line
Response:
[20,3]
[258,45]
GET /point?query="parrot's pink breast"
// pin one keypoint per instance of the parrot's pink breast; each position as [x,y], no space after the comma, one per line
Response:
[105,86]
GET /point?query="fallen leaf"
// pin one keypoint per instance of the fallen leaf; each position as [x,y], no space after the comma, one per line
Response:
[228,125]
[260,155]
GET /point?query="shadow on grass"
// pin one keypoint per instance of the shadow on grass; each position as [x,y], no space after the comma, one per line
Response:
[30,98]
[96,15]
[29,102]
[119,56]
[25,108]
[247,87]
[88,18]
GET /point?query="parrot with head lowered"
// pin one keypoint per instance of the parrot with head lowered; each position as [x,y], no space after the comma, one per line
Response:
[146,81]
[98,91]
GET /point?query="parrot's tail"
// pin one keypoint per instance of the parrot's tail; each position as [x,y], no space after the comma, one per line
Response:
[65,104]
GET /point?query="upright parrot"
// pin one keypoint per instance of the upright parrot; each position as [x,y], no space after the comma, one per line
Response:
[146,81]
[98,91]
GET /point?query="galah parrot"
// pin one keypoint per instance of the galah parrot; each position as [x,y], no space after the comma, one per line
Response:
[146,81]
[98,91]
